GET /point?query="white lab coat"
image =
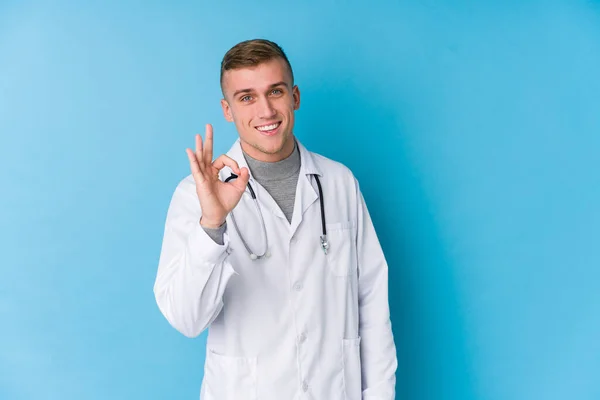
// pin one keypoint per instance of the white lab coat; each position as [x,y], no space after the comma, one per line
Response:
[296,325]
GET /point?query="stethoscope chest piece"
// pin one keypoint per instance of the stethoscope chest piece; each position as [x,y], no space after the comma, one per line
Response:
[255,257]
[324,244]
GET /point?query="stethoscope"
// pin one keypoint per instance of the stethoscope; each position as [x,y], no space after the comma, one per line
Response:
[266,253]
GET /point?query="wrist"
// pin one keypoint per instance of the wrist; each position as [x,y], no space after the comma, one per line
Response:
[205,223]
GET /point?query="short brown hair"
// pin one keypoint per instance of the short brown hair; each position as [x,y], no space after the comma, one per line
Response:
[250,53]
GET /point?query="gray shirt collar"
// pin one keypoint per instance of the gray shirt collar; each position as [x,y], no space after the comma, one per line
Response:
[272,171]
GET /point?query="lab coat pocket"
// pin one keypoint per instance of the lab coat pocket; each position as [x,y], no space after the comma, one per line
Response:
[229,378]
[352,370]
[341,256]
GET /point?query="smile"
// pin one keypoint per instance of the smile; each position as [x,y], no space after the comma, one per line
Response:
[269,129]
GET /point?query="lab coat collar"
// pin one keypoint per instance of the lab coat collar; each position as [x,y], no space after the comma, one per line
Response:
[306,193]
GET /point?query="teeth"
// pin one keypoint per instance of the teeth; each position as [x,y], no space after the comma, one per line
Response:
[267,127]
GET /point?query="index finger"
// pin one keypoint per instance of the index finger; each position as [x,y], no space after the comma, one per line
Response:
[195,167]
[224,160]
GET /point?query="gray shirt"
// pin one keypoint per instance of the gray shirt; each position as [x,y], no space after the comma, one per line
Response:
[278,178]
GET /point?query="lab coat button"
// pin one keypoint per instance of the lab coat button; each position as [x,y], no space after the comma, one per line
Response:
[302,337]
[304,386]
[298,287]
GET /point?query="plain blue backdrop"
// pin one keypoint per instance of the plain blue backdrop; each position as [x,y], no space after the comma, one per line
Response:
[473,127]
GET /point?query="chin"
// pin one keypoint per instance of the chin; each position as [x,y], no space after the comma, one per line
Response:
[268,145]
[275,143]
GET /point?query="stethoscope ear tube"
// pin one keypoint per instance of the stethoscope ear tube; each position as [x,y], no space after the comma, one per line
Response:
[253,256]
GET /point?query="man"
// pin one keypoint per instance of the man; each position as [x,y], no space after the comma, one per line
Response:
[272,249]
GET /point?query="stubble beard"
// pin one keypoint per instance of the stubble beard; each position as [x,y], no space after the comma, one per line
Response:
[286,137]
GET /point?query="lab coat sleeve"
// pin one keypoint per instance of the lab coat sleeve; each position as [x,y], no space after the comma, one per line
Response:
[193,270]
[378,351]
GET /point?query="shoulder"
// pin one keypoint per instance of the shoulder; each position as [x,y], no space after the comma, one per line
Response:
[186,185]
[333,170]
[184,196]
[340,189]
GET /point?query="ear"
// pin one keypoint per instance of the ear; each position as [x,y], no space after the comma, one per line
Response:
[226,110]
[296,97]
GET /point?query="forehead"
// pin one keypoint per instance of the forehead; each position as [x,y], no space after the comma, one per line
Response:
[258,77]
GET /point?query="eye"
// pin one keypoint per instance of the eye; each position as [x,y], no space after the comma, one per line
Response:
[246,98]
[276,91]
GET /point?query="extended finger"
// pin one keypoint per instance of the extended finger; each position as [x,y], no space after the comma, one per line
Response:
[194,167]
[208,144]
[223,161]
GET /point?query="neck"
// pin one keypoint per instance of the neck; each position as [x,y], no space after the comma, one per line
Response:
[274,171]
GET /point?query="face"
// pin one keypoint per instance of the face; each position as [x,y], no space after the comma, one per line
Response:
[261,102]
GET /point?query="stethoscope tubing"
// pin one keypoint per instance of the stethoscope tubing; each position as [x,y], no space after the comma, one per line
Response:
[254,256]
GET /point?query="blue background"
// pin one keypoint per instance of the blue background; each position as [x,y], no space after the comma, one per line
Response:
[473,128]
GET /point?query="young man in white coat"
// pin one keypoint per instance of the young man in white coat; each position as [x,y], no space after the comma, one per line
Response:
[271,248]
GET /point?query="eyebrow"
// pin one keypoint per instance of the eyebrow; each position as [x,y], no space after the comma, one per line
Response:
[282,83]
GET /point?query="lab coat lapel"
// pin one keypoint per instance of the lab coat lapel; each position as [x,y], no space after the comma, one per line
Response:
[305,196]
[306,193]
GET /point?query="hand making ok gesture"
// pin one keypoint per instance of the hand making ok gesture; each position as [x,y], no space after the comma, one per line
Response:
[217,198]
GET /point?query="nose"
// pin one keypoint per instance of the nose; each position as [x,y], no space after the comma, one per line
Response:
[265,108]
